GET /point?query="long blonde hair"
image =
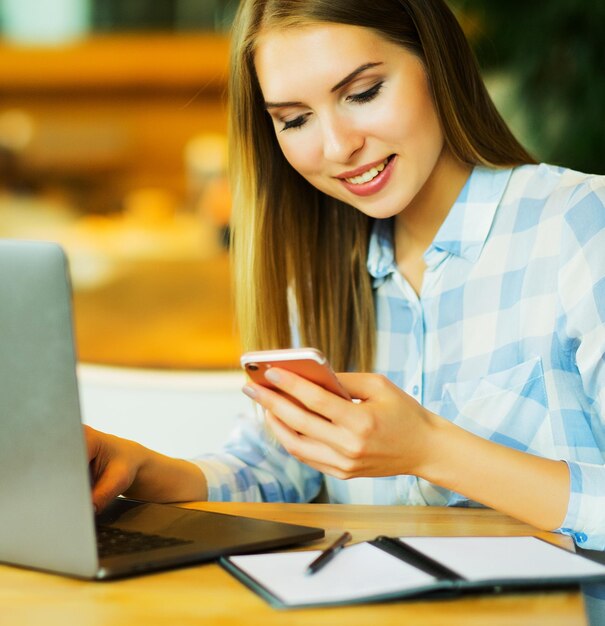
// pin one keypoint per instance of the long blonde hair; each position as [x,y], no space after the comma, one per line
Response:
[288,237]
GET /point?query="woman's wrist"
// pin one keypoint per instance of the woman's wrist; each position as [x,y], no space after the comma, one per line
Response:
[163,478]
[433,444]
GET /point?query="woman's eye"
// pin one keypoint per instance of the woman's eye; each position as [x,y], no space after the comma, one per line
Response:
[366,96]
[297,122]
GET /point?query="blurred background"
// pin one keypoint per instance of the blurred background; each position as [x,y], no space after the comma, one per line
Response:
[112,142]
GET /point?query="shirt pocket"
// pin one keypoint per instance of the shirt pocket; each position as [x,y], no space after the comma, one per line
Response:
[509,407]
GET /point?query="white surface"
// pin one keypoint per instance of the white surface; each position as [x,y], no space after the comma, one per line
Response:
[182,414]
[357,572]
[501,558]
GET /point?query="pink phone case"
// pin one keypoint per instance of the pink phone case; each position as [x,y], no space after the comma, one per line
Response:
[306,362]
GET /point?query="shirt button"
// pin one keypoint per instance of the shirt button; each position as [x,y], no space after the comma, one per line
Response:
[415,390]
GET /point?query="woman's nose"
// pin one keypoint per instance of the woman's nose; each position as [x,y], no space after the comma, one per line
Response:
[340,140]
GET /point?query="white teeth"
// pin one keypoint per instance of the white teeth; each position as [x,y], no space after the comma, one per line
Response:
[366,177]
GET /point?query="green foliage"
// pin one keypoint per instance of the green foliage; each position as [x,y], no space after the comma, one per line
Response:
[554,52]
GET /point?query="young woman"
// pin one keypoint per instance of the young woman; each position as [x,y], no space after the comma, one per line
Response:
[384,213]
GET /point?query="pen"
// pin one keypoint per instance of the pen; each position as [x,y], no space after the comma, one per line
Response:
[328,554]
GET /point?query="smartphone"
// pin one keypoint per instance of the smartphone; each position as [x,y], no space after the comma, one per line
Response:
[306,362]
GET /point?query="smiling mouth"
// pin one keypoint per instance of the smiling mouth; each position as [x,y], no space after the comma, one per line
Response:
[370,174]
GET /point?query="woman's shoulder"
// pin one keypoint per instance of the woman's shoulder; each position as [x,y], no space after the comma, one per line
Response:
[559,189]
[550,178]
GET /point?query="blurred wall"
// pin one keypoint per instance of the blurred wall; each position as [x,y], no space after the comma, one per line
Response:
[545,63]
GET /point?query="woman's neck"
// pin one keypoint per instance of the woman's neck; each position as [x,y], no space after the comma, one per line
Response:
[417,225]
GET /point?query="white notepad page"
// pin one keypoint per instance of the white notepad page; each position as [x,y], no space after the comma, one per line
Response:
[489,558]
[356,572]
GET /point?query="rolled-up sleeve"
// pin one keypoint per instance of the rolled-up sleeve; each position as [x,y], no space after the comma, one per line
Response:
[582,295]
[585,519]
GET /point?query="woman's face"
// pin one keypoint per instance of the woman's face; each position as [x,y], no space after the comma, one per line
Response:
[352,113]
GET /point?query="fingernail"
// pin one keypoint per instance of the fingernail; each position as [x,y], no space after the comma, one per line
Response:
[272,376]
[250,391]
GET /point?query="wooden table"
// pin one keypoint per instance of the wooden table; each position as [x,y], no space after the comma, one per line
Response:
[206,594]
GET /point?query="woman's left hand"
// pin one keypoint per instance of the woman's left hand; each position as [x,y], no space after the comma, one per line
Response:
[386,433]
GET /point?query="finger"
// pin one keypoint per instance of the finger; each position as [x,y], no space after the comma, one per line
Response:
[295,415]
[109,476]
[112,481]
[91,437]
[342,435]
[336,472]
[314,397]
[312,452]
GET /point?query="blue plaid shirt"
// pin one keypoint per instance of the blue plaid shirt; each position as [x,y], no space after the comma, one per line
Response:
[506,340]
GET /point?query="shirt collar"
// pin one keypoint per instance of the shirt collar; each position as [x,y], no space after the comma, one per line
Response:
[381,252]
[463,232]
[467,225]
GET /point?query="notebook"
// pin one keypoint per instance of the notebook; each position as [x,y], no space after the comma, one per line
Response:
[412,567]
[48,521]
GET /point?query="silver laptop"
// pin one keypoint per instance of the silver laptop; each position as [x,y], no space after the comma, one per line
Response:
[47,519]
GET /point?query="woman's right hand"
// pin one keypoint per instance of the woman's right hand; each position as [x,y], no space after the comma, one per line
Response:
[122,467]
[114,464]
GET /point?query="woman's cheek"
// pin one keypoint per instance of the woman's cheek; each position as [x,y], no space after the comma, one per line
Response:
[303,156]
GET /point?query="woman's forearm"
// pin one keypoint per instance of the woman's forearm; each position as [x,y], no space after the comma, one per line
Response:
[530,488]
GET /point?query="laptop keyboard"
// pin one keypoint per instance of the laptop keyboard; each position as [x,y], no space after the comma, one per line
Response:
[113,541]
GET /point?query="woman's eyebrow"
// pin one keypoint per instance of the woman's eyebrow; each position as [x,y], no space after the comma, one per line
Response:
[277,105]
[347,79]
